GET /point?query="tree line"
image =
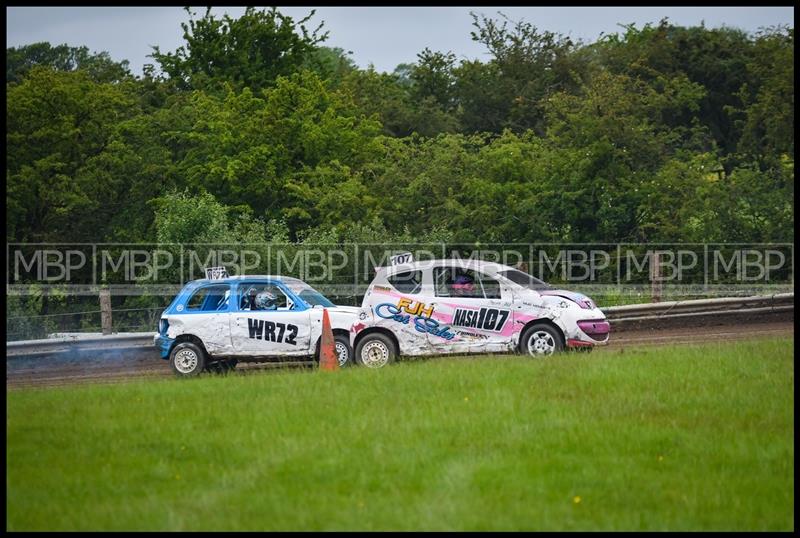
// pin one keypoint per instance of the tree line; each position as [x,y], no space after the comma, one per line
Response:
[253,130]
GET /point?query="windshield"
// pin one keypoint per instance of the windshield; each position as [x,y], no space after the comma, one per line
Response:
[525,280]
[314,298]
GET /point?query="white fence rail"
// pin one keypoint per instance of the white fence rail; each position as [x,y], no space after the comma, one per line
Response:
[74,343]
[758,304]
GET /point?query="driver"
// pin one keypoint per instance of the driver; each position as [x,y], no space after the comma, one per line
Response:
[266,301]
[249,301]
[464,285]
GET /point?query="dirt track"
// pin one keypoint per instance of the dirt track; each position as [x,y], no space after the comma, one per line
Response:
[694,335]
[115,366]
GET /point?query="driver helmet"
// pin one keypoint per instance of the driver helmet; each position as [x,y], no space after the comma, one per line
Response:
[463,284]
[266,301]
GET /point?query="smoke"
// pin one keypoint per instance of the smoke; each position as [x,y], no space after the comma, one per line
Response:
[85,364]
[77,365]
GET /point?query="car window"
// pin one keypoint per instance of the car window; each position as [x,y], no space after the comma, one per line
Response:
[491,286]
[315,298]
[209,299]
[407,281]
[526,280]
[272,297]
[457,282]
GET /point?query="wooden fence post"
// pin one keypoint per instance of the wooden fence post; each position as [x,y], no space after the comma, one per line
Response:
[105,311]
[655,277]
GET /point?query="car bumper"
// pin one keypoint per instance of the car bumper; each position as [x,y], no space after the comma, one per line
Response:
[164,345]
[591,332]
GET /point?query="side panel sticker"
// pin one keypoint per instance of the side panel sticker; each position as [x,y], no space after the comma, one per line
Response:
[270,331]
[487,319]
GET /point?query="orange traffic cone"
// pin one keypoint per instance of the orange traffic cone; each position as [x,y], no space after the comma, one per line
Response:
[327,348]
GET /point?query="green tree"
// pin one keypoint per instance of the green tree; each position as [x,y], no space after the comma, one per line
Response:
[57,123]
[432,76]
[715,59]
[249,52]
[615,139]
[548,140]
[526,66]
[483,107]
[184,218]
[263,152]
[768,97]
[331,63]
[99,66]
[383,97]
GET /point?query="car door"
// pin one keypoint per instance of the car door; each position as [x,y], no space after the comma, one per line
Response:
[282,330]
[405,310]
[475,306]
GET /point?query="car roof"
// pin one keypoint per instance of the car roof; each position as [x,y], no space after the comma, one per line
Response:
[244,278]
[480,265]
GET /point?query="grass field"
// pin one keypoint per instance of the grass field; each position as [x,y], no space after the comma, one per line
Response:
[678,438]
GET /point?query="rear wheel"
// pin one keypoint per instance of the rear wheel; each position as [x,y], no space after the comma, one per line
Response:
[375,351]
[541,340]
[187,359]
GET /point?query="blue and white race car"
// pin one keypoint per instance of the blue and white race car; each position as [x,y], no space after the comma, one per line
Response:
[214,323]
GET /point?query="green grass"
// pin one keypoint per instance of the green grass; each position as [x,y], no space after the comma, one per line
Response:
[681,438]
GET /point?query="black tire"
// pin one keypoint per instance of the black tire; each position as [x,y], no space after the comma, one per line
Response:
[375,350]
[541,340]
[342,344]
[187,359]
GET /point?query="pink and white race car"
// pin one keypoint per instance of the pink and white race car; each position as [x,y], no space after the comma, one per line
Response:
[469,306]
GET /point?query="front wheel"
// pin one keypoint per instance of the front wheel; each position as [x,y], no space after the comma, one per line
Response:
[344,353]
[375,351]
[187,359]
[541,340]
